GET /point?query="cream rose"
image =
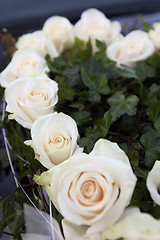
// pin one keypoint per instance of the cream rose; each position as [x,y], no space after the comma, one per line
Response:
[39,42]
[134,47]
[25,63]
[29,98]
[138,226]
[94,25]
[154,35]
[153,182]
[54,139]
[60,30]
[91,189]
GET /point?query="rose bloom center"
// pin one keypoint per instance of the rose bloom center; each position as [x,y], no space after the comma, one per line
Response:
[39,93]
[26,66]
[58,141]
[88,188]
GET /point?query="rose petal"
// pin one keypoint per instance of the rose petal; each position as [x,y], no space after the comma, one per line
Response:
[153,182]
[132,228]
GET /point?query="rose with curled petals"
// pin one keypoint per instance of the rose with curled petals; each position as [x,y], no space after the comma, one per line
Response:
[153,182]
[134,47]
[38,42]
[54,139]
[29,98]
[93,25]
[60,31]
[92,189]
[25,63]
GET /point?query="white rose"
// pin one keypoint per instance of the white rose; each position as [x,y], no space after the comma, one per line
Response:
[138,226]
[91,189]
[154,35]
[39,42]
[153,182]
[60,30]
[54,139]
[134,47]
[72,232]
[94,25]
[25,63]
[29,98]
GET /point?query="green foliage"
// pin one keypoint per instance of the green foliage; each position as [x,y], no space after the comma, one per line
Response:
[120,105]
[151,142]
[16,136]
[7,42]
[12,218]
[97,85]
[154,115]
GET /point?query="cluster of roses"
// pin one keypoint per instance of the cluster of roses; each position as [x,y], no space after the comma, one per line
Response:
[92,190]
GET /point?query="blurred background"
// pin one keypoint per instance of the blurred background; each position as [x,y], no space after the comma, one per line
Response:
[25,16]
[20,17]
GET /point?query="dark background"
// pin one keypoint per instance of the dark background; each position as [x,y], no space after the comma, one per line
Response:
[22,16]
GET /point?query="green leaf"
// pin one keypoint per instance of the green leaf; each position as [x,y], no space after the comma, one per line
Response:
[139,171]
[100,54]
[78,42]
[155,212]
[15,134]
[120,105]
[80,55]
[91,136]
[9,214]
[101,46]
[92,66]
[151,142]
[127,72]
[154,60]
[97,85]
[133,156]
[154,114]
[64,93]
[58,65]
[144,71]
[145,24]
[73,76]
[16,226]
[102,125]
[140,195]
[81,117]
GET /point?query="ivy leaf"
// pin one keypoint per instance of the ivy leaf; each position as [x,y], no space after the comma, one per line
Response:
[81,117]
[73,76]
[80,55]
[154,60]
[91,136]
[139,171]
[16,139]
[151,142]
[154,114]
[102,125]
[101,50]
[16,226]
[92,66]
[120,105]
[155,212]
[127,72]
[78,42]
[101,46]
[9,214]
[64,93]
[97,85]
[144,71]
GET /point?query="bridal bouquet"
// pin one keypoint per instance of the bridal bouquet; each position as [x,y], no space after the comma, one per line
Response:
[81,128]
